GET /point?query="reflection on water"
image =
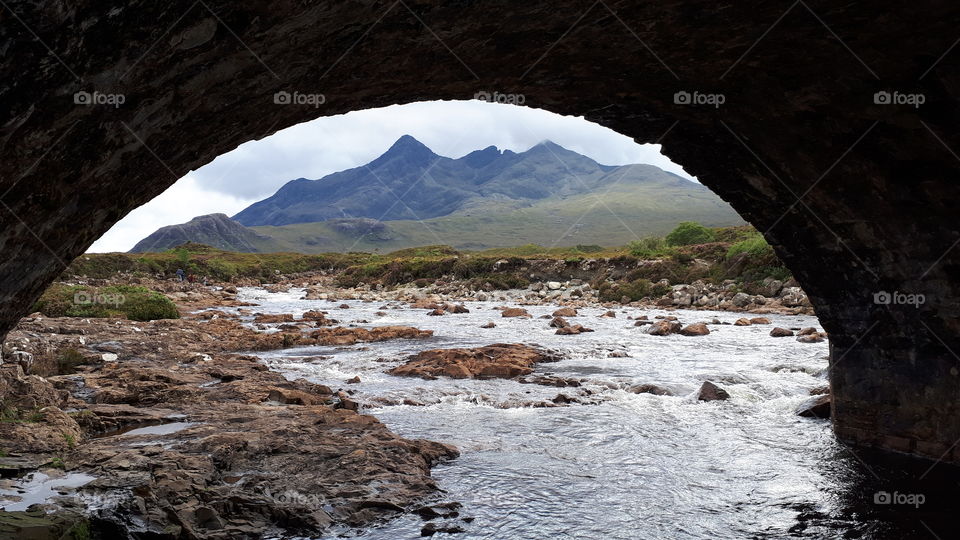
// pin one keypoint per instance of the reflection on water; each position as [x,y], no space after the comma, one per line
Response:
[636,465]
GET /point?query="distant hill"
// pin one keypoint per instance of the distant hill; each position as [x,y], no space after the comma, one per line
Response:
[215,230]
[410,196]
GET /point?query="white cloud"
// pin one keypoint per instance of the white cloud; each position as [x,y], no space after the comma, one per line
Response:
[255,170]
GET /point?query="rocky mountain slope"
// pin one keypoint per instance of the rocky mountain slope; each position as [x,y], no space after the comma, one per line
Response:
[215,230]
[410,196]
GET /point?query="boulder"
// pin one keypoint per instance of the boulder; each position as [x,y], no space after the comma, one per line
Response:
[741,300]
[815,407]
[742,322]
[515,312]
[807,331]
[455,308]
[489,324]
[649,389]
[663,328]
[780,332]
[437,313]
[493,361]
[559,322]
[695,329]
[565,312]
[554,285]
[759,320]
[265,318]
[572,330]
[609,315]
[811,338]
[712,392]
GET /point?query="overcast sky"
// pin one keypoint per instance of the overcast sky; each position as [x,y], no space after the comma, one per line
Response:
[255,170]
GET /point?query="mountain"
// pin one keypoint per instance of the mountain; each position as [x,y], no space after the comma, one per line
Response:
[410,196]
[215,230]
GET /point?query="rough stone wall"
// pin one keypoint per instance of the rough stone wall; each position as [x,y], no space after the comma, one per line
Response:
[858,197]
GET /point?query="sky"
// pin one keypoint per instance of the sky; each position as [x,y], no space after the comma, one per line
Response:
[256,169]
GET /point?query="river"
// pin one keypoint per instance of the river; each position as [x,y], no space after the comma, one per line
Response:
[628,465]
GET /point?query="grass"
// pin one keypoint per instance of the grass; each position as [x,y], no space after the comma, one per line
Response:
[124,301]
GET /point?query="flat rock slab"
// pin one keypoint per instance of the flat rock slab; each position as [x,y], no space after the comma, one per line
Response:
[500,360]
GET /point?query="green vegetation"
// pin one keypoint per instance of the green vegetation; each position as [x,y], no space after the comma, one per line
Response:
[13,415]
[688,233]
[129,301]
[67,361]
[738,253]
[70,440]
[58,463]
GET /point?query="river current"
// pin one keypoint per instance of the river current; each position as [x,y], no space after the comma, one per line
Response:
[629,465]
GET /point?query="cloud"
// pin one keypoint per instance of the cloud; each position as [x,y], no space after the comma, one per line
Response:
[256,169]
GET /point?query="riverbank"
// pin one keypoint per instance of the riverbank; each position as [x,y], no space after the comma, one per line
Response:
[177,428]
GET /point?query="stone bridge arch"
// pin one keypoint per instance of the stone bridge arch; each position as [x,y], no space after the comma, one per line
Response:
[819,141]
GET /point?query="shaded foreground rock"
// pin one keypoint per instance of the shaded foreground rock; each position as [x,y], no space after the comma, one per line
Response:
[781,332]
[231,449]
[493,361]
[663,328]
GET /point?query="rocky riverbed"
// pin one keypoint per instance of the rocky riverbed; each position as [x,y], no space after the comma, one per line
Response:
[203,428]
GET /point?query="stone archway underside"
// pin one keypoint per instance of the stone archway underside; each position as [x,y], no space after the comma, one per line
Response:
[857,197]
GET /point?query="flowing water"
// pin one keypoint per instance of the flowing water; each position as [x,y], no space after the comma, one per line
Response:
[629,465]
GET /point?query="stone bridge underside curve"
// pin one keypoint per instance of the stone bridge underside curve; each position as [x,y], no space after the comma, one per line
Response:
[857,196]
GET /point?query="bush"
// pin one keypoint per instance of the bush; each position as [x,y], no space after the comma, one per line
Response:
[688,233]
[755,246]
[649,248]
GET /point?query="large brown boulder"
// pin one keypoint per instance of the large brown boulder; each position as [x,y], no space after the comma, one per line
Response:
[565,312]
[515,312]
[663,328]
[695,329]
[742,322]
[500,360]
[559,322]
[780,332]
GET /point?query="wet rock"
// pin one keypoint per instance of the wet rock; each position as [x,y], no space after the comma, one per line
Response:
[550,380]
[565,312]
[354,380]
[807,331]
[649,389]
[609,315]
[780,332]
[815,407]
[695,329]
[346,402]
[344,306]
[759,320]
[489,324]
[437,312]
[572,330]
[515,312]
[663,328]
[742,322]
[712,392]
[618,354]
[559,322]
[493,361]
[820,390]
[554,285]
[455,308]
[741,300]
[264,318]
[811,338]
[432,528]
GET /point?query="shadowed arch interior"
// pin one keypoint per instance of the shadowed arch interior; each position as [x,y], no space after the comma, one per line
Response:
[854,186]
